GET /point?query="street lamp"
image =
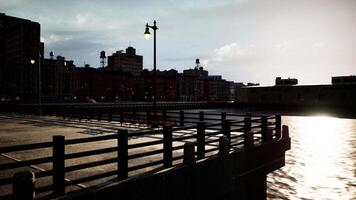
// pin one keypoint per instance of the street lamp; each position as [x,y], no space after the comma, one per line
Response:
[32,61]
[147,36]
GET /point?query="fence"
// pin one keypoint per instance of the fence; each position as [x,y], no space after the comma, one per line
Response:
[203,130]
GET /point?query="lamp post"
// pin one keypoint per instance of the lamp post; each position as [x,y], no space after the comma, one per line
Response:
[39,101]
[147,36]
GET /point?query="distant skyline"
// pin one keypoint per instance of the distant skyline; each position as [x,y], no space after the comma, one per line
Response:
[242,40]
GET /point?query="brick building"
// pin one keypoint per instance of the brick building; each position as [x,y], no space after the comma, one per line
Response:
[126,62]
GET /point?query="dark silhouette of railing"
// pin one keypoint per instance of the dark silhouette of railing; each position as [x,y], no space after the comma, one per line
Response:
[203,130]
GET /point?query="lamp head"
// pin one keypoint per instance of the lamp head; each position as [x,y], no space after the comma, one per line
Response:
[147,33]
[32,61]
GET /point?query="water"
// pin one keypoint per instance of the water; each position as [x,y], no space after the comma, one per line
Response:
[321,163]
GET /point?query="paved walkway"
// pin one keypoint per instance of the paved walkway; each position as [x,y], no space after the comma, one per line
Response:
[24,129]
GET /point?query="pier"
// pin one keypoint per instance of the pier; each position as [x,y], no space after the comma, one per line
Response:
[198,154]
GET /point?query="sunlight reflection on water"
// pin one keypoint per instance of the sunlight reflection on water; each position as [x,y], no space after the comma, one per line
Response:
[321,163]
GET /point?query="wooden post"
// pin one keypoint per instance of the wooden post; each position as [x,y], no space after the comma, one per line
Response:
[285,131]
[189,153]
[121,116]
[201,116]
[23,186]
[278,126]
[223,116]
[58,165]
[122,154]
[264,127]
[181,118]
[248,139]
[110,115]
[98,112]
[224,146]
[226,130]
[247,124]
[167,146]
[201,140]
[148,117]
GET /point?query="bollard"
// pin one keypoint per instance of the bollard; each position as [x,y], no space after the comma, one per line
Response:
[201,140]
[189,153]
[181,118]
[267,135]
[248,139]
[201,116]
[122,154]
[23,186]
[167,146]
[285,131]
[58,165]
[224,146]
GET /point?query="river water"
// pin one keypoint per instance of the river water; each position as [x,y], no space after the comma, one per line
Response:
[321,163]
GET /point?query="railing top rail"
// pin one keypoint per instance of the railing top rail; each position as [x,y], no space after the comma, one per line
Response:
[24,147]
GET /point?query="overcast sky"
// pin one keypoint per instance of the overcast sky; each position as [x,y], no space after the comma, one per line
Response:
[242,40]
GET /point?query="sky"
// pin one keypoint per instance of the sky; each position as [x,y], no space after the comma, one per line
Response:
[242,40]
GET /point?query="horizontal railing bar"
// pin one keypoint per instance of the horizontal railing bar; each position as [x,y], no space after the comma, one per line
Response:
[211,141]
[212,149]
[25,163]
[90,139]
[142,133]
[91,178]
[90,153]
[145,144]
[89,165]
[176,139]
[44,189]
[141,166]
[24,147]
[178,157]
[143,154]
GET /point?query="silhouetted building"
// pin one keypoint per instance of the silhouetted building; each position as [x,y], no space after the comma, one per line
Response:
[343,80]
[59,80]
[103,85]
[126,62]
[167,85]
[287,81]
[19,44]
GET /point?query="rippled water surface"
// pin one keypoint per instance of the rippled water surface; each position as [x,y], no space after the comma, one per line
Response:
[321,163]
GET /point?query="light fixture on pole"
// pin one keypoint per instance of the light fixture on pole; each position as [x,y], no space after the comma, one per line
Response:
[147,36]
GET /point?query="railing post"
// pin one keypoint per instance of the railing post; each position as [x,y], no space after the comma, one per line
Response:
[223,116]
[181,118]
[23,186]
[148,117]
[248,139]
[189,153]
[226,130]
[285,131]
[122,154]
[167,146]
[110,115]
[58,165]
[224,146]
[201,140]
[98,112]
[278,126]
[201,116]
[121,116]
[247,124]
[264,127]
